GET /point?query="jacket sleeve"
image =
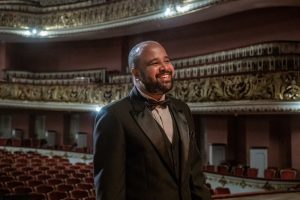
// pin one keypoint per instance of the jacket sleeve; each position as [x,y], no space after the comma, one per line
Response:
[109,157]
[198,188]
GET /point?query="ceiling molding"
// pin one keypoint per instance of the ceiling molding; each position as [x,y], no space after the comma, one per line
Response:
[83,20]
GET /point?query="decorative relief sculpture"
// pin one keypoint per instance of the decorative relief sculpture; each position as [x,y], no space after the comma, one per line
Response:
[74,14]
[272,86]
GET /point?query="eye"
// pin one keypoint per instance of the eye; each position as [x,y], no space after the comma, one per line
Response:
[168,61]
[154,64]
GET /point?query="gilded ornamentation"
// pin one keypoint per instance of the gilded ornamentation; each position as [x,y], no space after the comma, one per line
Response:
[223,181]
[248,184]
[243,184]
[49,15]
[268,186]
[273,86]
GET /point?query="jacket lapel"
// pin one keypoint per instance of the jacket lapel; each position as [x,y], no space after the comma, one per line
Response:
[183,129]
[147,123]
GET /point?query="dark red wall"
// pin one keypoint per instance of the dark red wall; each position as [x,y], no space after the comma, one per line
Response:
[66,56]
[229,32]
[224,33]
[2,58]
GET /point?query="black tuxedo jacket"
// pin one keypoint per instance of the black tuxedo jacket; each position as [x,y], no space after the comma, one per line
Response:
[131,158]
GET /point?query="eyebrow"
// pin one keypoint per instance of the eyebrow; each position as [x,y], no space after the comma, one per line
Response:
[154,59]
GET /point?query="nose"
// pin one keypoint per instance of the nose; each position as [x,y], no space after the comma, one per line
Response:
[165,66]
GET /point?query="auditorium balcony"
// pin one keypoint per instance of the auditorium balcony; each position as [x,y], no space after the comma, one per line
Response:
[237,66]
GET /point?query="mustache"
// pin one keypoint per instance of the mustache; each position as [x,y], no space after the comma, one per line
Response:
[164,72]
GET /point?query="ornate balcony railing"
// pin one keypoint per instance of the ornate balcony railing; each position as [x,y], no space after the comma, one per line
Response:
[258,82]
[56,78]
[267,57]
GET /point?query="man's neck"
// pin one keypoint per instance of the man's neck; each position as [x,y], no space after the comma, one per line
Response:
[147,95]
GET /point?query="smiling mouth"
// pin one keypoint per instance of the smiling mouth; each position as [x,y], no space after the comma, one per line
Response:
[164,75]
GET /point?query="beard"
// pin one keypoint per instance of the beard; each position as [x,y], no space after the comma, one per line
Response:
[157,86]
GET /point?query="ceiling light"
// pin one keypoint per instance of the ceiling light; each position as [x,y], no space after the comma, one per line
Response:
[98,108]
[169,11]
[43,33]
[33,31]
[182,9]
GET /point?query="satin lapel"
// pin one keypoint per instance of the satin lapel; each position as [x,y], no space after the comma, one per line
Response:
[183,130]
[152,131]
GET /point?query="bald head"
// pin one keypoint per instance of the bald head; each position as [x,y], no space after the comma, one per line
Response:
[151,68]
[136,52]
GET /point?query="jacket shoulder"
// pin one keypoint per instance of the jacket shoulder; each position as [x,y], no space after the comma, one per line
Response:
[114,108]
[178,102]
[119,104]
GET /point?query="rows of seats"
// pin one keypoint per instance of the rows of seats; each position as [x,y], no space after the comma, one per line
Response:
[269,173]
[34,176]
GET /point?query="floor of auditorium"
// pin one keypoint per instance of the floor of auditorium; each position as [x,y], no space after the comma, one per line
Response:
[278,196]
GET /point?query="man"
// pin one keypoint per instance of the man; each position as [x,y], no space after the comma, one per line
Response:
[144,151]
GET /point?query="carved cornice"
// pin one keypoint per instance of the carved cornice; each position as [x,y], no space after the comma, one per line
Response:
[73,18]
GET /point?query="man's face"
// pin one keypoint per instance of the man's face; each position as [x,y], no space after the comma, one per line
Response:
[155,69]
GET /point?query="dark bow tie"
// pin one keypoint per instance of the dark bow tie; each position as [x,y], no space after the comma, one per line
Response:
[151,104]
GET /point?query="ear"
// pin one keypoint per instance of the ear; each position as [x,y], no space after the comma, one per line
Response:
[135,73]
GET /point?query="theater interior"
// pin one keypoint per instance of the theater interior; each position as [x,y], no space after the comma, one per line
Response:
[237,66]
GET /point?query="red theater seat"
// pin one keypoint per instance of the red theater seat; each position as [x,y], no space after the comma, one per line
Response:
[222,190]
[35,172]
[34,183]
[25,177]
[223,169]
[88,179]
[79,175]
[62,176]
[210,168]
[79,194]
[54,181]
[44,189]
[252,172]
[52,172]
[65,187]
[269,173]
[16,173]
[86,186]
[239,171]
[73,181]
[288,174]
[43,177]
[57,195]
[6,161]
[22,190]
[13,184]
[36,196]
